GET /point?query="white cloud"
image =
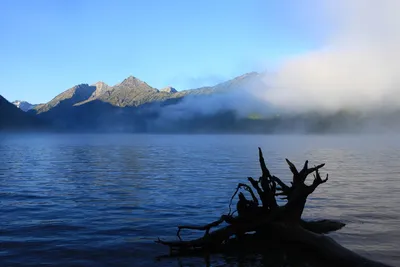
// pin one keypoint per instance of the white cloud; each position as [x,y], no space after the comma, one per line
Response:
[359,66]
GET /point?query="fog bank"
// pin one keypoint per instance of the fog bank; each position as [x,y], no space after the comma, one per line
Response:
[357,68]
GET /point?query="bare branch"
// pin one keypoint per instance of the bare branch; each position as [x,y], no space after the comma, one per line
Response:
[272,200]
[317,177]
[206,227]
[316,168]
[285,190]
[264,169]
[317,181]
[234,194]
[261,194]
[283,186]
[305,167]
[248,189]
[292,167]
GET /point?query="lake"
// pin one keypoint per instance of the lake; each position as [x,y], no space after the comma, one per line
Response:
[102,200]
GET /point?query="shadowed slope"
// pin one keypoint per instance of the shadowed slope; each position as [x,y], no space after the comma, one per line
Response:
[68,98]
[14,119]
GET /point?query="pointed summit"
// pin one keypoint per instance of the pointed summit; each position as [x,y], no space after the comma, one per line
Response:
[100,84]
[131,77]
[130,92]
[101,87]
[132,81]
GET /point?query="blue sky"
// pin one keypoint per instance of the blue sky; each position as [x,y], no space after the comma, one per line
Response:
[48,46]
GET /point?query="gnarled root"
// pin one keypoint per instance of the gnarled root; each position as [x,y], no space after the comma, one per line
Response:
[269,222]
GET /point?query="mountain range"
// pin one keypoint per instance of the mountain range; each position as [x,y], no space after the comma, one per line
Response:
[132,92]
[135,106]
[131,105]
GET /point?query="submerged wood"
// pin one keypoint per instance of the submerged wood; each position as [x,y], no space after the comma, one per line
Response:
[268,223]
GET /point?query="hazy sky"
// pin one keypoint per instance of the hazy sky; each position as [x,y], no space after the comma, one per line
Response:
[47,46]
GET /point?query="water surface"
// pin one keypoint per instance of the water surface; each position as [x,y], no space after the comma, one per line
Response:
[102,200]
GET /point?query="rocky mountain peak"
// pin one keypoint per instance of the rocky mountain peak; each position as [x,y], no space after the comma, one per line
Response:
[101,87]
[100,84]
[132,81]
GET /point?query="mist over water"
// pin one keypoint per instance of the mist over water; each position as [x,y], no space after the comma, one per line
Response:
[357,68]
[353,75]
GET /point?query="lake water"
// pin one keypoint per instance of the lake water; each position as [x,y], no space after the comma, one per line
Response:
[102,200]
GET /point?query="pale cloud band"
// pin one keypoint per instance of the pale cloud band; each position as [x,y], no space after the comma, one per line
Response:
[357,68]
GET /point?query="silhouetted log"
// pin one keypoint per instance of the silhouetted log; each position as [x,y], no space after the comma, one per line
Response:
[322,245]
[271,223]
[327,247]
[236,226]
[322,226]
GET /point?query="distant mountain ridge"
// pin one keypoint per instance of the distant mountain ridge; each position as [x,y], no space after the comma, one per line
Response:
[131,105]
[132,92]
[23,105]
[135,106]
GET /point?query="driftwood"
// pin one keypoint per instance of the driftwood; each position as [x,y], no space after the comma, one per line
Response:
[257,225]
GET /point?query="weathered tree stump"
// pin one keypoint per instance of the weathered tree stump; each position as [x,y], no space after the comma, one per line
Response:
[261,224]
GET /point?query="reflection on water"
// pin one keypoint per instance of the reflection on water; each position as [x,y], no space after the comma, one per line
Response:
[101,200]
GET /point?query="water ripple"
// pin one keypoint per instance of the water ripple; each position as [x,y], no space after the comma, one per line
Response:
[101,200]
